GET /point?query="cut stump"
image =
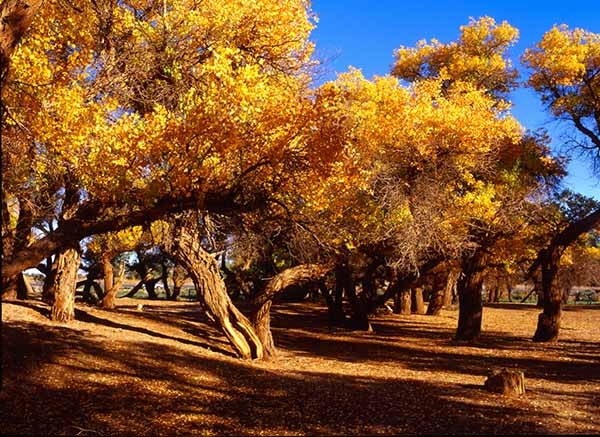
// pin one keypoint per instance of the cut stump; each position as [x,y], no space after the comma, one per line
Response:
[506,381]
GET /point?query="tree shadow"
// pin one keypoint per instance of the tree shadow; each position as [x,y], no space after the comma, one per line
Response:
[201,330]
[440,352]
[163,390]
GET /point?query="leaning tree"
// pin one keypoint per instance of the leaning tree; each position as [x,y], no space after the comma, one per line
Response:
[565,72]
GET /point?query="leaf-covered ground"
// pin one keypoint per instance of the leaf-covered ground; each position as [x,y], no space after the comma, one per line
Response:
[166,371]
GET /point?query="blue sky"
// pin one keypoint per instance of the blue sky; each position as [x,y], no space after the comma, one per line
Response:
[364,34]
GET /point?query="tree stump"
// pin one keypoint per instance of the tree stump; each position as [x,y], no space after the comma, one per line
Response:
[506,381]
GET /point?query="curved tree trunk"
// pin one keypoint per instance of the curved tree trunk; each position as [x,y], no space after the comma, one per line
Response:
[294,276]
[548,260]
[184,246]
[469,287]
[64,283]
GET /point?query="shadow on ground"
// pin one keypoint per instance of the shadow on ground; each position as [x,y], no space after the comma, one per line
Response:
[58,380]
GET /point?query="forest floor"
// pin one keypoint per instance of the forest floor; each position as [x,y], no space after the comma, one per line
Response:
[165,371]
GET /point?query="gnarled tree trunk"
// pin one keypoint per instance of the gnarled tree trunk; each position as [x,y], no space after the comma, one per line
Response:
[183,244]
[294,276]
[469,287]
[548,260]
[64,282]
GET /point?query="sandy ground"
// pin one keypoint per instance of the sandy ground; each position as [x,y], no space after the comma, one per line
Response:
[166,371]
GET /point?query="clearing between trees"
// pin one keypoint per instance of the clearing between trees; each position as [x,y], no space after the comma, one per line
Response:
[165,370]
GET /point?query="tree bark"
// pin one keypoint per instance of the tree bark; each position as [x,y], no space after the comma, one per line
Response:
[294,276]
[442,298]
[469,287]
[87,291]
[417,303]
[111,284]
[94,217]
[451,287]
[436,302]
[333,299]
[401,282]
[24,289]
[179,277]
[548,327]
[64,283]
[359,319]
[183,244]
[402,301]
[165,280]
[548,260]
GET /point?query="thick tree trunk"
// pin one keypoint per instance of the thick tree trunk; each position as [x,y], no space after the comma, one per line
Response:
[64,283]
[184,246]
[294,276]
[24,289]
[9,288]
[401,282]
[403,301]
[417,303]
[88,296]
[151,288]
[359,319]
[334,304]
[111,284]
[17,289]
[493,294]
[548,326]
[469,287]
[48,289]
[436,302]
[179,277]
[548,260]
[442,298]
